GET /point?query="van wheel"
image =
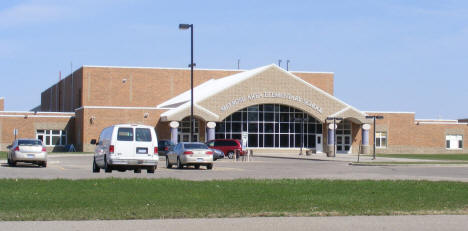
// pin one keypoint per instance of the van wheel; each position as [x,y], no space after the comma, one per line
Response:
[138,170]
[179,165]
[230,155]
[167,163]
[150,170]
[197,166]
[95,167]
[44,164]
[107,168]
[209,167]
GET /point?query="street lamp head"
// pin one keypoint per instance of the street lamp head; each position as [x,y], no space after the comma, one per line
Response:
[184,26]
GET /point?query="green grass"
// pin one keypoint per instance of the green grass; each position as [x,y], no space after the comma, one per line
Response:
[169,198]
[3,155]
[428,156]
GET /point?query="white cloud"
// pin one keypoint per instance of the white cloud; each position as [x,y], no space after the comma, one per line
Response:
[31,13]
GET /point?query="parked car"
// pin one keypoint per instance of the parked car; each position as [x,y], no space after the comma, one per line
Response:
[227,146]
[163,147]
[217,154]
[190,153]
[126,147]
[28,151]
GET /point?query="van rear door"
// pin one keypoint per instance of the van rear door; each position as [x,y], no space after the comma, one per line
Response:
[123,146]
[143,146]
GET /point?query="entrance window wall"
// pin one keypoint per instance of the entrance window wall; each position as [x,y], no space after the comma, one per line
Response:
[271,125]
[184,130]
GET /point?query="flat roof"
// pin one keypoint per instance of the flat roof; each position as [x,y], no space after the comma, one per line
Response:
[186,68]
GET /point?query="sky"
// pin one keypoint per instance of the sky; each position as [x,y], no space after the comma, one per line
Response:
[409,56]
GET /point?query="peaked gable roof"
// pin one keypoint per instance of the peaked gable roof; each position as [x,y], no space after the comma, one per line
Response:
[216,99]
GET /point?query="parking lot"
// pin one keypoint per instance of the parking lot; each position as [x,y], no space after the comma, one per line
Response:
[78,166]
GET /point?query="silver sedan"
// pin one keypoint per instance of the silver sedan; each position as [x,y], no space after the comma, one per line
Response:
[193,153]
[28,151]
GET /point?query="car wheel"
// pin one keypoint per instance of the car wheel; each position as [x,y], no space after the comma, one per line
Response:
[209,166]
[168,165]
[107,168]
[230,155]
[138,170]
[197,166]
[95,167]
[44,164]
[150,170]
[9,162]
[179,164]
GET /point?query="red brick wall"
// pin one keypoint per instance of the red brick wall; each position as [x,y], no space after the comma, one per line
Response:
[405,135]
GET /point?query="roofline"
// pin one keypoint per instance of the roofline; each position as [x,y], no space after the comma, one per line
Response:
[117,107]
[40,116]
[390,112]
[38,112]
[438,120]
[313,72]
[202,69]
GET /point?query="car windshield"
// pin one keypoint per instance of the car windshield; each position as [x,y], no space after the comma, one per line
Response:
[29,142]
[195,146]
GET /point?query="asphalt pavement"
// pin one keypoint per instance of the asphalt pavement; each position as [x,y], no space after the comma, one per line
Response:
[78,166]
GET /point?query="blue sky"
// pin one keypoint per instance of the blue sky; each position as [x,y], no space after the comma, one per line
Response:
[386,55]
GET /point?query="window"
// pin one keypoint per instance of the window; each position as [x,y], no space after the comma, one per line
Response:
[143,134]
[454,142]
[381,139]
[125,134]
[52,137]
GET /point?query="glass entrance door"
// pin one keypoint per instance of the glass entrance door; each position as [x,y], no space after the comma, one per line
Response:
[185,137]
[343,143]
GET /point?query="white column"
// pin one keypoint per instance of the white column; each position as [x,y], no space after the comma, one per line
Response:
[365,134]
[365,139]
[210,130]
[174,132]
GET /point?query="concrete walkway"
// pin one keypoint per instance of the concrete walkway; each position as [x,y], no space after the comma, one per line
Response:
[364,223]
[343,158]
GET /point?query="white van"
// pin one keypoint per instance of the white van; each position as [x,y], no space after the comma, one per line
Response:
[126,147]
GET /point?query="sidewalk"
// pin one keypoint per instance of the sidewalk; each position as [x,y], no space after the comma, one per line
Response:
[351,158]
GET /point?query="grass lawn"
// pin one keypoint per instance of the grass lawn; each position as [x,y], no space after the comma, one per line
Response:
[3,155]
[170,198]
[428,156]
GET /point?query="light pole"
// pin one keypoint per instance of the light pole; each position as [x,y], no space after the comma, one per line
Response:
[191,65]
[302,120]
[374,117]
[279,62]
[287,65]
[334,131]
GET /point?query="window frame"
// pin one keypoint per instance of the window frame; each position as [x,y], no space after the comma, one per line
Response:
[458,140]
[380,135]
[49,133]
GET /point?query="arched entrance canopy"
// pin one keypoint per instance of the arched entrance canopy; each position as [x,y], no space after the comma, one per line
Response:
[214,100]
